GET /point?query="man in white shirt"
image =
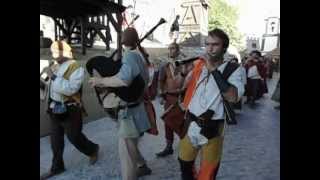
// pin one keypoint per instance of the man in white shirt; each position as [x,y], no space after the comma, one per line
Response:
[65,108]
[254,78]
[204,103]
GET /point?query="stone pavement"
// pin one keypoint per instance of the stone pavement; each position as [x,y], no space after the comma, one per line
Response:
[251,149]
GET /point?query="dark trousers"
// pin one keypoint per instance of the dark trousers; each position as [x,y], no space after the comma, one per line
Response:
[71,125]
[169,134]
[253,89]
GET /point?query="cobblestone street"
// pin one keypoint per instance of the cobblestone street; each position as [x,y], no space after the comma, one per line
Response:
[251,149]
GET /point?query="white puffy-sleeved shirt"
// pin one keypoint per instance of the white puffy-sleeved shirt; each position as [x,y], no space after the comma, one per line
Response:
[244,75]
[60,86]
[253,73]
[207,94]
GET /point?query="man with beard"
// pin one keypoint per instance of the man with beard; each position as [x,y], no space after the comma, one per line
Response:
[171,82]
[133,118]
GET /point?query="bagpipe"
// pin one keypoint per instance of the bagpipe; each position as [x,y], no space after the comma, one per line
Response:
[186,61]
[104,66]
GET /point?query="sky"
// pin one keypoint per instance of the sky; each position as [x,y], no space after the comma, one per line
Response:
[252,14]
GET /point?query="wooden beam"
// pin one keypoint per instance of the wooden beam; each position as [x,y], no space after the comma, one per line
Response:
[102,36]
[114,23]
[96,26]
[55,32]
[76,8]
[59,31]
[72,26]
[92,33]
[60,26]
[103,20]
[108,35]
[119,18]
[83,38]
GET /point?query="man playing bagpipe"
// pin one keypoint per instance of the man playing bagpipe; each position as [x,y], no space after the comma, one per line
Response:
[132,116]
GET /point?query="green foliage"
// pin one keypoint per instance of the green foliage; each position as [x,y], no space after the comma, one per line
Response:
[224,16]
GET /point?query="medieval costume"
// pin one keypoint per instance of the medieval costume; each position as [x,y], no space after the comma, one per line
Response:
[65,109]
[133,118]
[150,95]
[253,81]
[206,116]
[263,71]
[171,81]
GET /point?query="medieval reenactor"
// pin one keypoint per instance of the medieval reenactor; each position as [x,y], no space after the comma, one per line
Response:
[132,117]
[66,108]
[263,71]
[171,81]
[253,78]
[207,91]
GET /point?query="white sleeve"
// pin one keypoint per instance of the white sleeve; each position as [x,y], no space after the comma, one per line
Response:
[244,75]
[113,81]
[69,87]
[236,80]
[252,72]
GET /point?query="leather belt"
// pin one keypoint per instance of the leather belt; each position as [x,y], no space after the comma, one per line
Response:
[203,122]
[129,105]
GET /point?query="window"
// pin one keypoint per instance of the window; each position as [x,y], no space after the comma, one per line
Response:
[254,45]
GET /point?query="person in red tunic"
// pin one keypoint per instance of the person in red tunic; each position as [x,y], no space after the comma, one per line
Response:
[171,79]
[263,71]
[253,77]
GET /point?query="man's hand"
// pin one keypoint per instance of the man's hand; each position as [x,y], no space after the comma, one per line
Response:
[48,71]
[231,95]
[162,101]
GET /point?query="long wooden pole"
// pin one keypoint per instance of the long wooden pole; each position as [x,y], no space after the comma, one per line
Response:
[119,19]
[83,44]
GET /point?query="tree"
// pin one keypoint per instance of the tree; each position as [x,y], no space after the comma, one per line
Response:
[224,16]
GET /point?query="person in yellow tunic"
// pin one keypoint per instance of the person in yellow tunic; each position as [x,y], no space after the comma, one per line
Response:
[66,108]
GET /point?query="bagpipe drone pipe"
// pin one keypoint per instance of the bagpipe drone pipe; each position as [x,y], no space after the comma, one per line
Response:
[110,66]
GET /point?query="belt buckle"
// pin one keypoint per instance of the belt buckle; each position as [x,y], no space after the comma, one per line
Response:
[72,104]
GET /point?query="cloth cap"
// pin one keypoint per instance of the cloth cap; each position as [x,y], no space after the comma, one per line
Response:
[130,37]
[61,48]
